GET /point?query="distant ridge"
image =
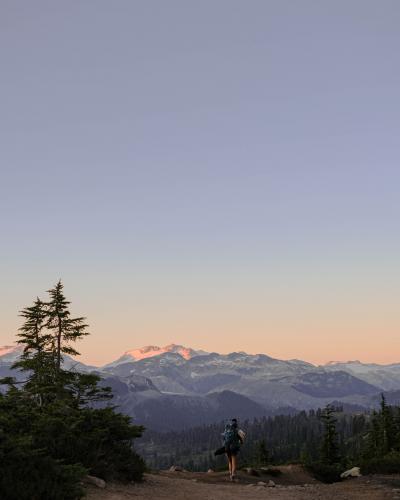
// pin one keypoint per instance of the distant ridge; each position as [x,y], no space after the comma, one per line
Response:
[176,386]
[187,353]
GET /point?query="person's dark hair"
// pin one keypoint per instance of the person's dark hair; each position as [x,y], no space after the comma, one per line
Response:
[234,422]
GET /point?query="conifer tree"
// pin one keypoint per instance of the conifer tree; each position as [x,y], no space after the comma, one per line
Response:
[262,454]
[36,357]
[84,388]
[397,428]
[64,328]
[330,447]
[387,427]
[30,335]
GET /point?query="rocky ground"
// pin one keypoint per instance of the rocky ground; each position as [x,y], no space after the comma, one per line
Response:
[293,483]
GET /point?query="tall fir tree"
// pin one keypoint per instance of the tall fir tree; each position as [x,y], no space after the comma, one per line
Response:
[330,446]
[64,328]
[36,357]
[387,427]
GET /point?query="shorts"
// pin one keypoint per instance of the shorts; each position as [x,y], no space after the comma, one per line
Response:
[231,451]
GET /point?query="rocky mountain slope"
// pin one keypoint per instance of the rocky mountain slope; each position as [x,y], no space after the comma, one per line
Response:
[176,386]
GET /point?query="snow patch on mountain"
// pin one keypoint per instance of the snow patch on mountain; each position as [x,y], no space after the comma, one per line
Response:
[386,377]
[10,353]
[150,351]
[6,349]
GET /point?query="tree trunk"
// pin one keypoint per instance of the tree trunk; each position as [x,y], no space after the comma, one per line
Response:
[59,344]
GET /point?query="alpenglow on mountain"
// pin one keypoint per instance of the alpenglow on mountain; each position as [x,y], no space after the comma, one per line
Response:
[175,386]
[150,351]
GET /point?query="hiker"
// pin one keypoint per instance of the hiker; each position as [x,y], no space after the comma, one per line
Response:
[233,439]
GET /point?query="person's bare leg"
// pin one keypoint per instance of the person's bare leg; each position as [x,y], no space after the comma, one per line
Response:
[233,466]
[230,464]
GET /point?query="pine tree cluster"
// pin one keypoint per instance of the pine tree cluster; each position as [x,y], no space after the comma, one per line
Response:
[51,432]
[327,441]
[381,452]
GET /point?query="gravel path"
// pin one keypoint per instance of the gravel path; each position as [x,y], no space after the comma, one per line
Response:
[201,486]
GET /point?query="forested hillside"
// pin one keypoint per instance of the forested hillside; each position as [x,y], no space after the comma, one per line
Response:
[358,438]
[286,437]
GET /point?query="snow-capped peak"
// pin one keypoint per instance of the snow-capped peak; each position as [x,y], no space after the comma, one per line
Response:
[10,352]
[351,362]
[151,351]
[6,349]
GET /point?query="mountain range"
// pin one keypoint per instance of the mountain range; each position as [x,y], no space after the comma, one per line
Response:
[173,387]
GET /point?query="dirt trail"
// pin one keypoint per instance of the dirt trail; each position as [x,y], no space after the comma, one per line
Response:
[294,483]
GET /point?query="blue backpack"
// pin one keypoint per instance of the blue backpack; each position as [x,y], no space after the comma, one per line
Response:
[231,436]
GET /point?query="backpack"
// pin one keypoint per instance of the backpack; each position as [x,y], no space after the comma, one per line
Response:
[231,436]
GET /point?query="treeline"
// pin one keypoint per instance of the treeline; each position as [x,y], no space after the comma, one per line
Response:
[51,434]
[326,440]
[288,438]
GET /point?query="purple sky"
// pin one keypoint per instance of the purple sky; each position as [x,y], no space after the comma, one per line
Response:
[223,174]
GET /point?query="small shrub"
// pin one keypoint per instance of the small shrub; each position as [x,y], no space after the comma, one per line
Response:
[326,473]
[28,474]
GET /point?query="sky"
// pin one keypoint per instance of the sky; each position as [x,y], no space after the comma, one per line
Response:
[220,174]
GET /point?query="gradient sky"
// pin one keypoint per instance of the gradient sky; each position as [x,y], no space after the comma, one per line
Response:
[223,174]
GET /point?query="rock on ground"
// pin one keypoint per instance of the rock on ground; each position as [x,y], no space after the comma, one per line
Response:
[176,468]
[354,472]
[95,481]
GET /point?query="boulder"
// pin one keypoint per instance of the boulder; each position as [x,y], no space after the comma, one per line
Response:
[176,468]
[271,484]
[210,471]
[96,481]
[261,483]
[354,472]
